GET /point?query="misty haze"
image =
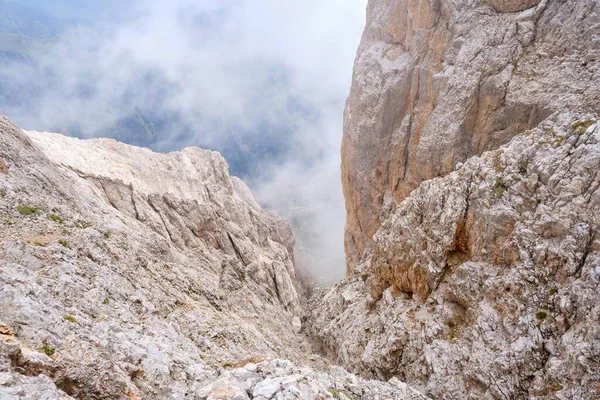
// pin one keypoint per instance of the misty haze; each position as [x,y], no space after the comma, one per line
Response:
[300,200]
[264,83]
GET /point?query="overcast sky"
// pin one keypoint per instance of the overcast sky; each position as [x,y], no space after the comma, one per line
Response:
[220,65]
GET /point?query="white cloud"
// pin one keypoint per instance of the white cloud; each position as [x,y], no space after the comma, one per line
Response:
[236,63]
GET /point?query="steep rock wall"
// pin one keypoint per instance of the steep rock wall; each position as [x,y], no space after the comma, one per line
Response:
[126,274]
[130,274]
[438,81]
[484,283]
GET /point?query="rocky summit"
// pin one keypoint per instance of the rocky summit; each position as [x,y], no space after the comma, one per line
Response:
[471,173]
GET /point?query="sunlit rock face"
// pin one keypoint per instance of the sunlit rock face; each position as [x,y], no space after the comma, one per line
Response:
[136,272]
[470,164]
[436,82]
[130,274]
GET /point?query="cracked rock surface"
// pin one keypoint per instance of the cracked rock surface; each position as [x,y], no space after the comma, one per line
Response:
[484,283]
[127,274]
[438,81]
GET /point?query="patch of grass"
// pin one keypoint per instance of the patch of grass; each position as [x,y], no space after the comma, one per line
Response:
[48,350]
[63,242]
[56,218]
[581,126]
[9,221]
[82,224]
[450,324]
[106,301]
[107,235]
[70,318]
[541,315]
[553,291]
[495,349]
[499,188]
[28,210]
[40,244]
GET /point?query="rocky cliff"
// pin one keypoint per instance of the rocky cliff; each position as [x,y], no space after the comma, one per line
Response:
[484,283]
[438,81]
[471,171]
[130,274]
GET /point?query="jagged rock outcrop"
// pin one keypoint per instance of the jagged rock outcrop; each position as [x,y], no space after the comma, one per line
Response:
[484,283]
[282,380]
[188,198]
[130,274]
[438,81]
[137,272]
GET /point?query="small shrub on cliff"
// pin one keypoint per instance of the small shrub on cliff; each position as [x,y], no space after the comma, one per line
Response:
[581,126]
[48,350]
[499,188]
[70,318]
[28,210]
[541,315]
[55,218]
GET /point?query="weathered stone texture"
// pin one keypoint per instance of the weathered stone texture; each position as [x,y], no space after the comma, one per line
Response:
[484,283]
[438,81]
[130,274]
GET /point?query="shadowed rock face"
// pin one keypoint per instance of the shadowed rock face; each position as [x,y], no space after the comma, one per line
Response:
[436,82]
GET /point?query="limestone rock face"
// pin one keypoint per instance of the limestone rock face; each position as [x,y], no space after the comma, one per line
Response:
[189,199]
[438,81]
[484,283]
[130,274]
[137,272]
